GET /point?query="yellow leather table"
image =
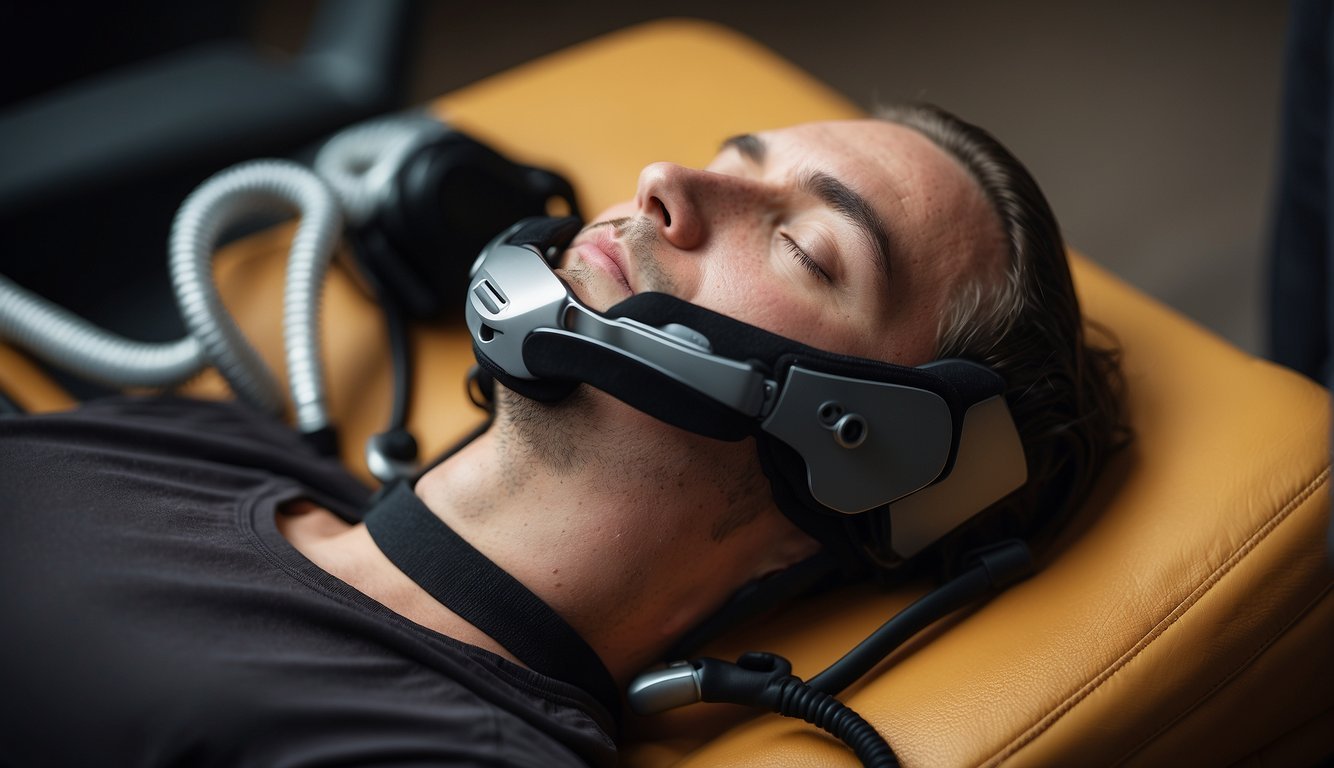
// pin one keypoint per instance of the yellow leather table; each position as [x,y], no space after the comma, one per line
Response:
[1185,618]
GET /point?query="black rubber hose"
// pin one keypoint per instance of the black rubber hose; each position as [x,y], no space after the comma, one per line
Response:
[797,699]
[928,609]
[995,568]
[765,680]
[400,358]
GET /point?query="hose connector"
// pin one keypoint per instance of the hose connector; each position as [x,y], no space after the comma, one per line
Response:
[765,681]
[674,686]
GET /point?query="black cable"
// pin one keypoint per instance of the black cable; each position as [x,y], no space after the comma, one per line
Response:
[400,358]
[996,567]
[391,453]
[893,633]
[765,680]
[396,332]
[480,393]
[799,699]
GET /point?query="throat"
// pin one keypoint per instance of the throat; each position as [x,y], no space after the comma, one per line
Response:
[462,579]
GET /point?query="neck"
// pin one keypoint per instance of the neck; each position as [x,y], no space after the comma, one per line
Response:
[630,530]
[595,529]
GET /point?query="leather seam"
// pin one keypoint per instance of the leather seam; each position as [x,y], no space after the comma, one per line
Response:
[1033,731]
[1232,675]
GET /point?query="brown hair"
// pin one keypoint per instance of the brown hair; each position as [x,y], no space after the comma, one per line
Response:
[1063,391]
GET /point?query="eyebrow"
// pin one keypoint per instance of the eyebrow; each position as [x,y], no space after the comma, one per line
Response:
[748,144]
[833,193]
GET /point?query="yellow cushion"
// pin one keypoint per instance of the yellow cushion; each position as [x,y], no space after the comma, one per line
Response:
[1185,618]
[31,388]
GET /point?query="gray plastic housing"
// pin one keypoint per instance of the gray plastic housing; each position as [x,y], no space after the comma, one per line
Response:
[989,466]
[905,447]
[513,293]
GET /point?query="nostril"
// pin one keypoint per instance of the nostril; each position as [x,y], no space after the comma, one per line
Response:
[666,215]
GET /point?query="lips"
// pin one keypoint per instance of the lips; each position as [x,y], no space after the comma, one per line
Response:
[601,251]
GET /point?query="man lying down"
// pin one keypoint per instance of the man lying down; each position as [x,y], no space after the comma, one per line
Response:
[187,583]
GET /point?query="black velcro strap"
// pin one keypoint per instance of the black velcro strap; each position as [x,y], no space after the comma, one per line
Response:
[542,390]
[469,584]
[565,357]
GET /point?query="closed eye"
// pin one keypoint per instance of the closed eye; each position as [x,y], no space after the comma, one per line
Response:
[805,260]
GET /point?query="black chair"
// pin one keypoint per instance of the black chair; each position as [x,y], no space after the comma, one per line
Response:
[92,172]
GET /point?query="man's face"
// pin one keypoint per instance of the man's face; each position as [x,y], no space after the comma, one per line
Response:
[847,236]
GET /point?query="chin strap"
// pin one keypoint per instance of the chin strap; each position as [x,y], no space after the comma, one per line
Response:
[483,594]
[838,436]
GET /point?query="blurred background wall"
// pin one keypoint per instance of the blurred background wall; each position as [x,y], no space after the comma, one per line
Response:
[1151,125]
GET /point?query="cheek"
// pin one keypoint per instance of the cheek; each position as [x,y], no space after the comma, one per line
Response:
[737,279]
[744,279]
[749,293]
[734,208]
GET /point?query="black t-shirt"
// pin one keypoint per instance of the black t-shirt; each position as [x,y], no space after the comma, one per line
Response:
[152,614]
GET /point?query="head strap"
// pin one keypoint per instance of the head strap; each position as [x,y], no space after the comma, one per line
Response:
[838,435]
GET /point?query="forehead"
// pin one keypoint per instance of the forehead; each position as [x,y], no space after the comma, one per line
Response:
[915,186]
[940,225]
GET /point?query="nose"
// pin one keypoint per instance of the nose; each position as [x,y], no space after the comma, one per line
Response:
[685,203]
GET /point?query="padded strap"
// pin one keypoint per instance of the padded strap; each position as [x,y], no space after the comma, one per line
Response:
[546,232]
[558,358]
[469,584]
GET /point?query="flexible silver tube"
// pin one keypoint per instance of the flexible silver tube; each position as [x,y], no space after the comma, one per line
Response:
[70,342]
[360,162]
[231,196]
[312,250]
[67,341]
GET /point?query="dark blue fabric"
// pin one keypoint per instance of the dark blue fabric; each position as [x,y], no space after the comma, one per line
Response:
[1301,328]
[1300,308]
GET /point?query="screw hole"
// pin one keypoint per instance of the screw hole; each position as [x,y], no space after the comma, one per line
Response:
[850,431]
[829,413]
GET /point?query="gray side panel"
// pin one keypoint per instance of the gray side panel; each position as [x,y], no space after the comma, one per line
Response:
[990,465]
[906,443]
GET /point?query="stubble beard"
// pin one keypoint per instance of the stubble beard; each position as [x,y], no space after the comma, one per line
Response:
[639,235]
[563,437]
[553,434]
